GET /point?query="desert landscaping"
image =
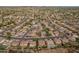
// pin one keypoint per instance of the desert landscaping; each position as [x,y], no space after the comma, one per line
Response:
[39,29]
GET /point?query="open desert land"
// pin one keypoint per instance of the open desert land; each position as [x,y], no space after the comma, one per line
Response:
[39,29]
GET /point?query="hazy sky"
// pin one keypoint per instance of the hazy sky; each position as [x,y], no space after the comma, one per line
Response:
[39,2]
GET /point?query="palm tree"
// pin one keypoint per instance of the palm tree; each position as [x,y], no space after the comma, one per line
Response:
[37,43]
[8,35]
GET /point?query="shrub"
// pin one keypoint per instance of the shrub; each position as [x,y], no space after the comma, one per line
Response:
[2,47]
